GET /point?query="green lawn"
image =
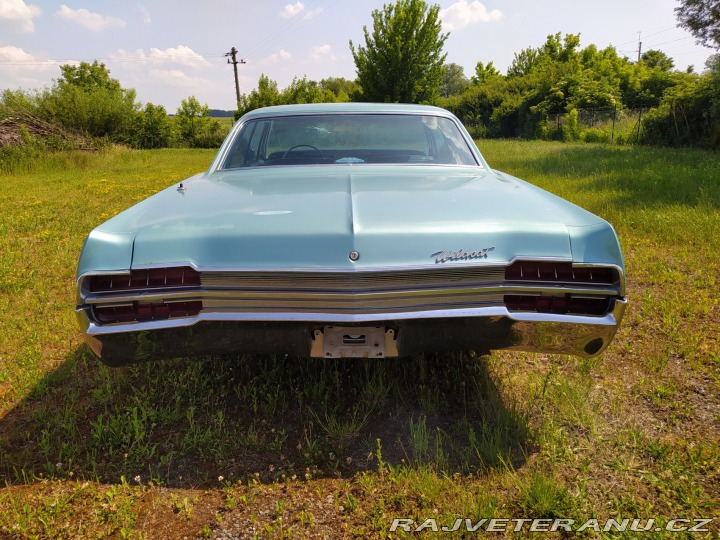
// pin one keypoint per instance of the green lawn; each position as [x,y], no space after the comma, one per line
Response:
[287,447]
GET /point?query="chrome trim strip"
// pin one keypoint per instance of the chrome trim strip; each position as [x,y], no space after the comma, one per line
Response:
[351,296]
[335,164]
[360,269]
[611,319]
[376,279]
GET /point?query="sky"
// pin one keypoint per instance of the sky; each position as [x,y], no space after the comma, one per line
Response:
[169,50]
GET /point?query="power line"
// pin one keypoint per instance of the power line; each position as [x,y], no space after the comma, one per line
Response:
[274,35]
[671,41]
[647,36]
[122,59]
[289,28]
[685,52]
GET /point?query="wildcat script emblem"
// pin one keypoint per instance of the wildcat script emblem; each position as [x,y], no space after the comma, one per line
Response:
[461,255]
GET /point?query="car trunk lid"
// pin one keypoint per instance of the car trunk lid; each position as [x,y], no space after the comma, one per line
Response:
[411,215]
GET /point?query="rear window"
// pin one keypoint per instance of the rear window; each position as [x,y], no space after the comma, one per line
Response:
[348,138]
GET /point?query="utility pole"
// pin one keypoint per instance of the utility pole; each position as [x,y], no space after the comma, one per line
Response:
[639,124]
[235,62]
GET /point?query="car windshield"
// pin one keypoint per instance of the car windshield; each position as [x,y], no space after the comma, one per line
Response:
[348,139]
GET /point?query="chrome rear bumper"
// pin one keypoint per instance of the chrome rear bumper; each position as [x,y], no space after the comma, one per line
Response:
[482,329]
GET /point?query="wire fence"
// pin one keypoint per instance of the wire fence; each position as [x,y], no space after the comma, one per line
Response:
[600,124]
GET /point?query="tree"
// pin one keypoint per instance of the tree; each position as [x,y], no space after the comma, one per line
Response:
[688,113]
[306,91]
[560,51]
[341,87]
[152,128]
[85,98]
[194,125]
[475,106]
[553,50]
[712,65]
[657,59]
[402,60]
[523,62]
[454,80]
[299,91]
[484,73]
[266,95]
[702,19]
[88,77]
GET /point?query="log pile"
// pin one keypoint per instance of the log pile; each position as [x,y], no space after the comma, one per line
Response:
[13,120]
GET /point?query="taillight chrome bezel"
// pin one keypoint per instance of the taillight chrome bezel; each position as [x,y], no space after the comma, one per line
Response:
[141,295]
[170,277]
[561,272]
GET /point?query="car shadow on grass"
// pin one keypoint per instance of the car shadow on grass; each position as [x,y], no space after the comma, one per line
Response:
[194,422]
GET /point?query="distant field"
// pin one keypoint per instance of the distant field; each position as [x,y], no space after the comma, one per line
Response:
[284,448]
[225,121]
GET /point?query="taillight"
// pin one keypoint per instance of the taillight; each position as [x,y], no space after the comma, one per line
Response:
[138,312]
[550,271]
[153,278]
[566,304]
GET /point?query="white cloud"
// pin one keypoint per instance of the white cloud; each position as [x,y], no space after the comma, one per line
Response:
[160,84]
[323,52]
[11,55]
[15,54]
[92,21]
[176,77]
[182,54]
[280,56]
[19,13]
[290,10]
[165,75]
[21,69]
[461,14]
[146,18]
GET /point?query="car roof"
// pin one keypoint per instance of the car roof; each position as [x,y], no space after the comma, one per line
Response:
[318,108]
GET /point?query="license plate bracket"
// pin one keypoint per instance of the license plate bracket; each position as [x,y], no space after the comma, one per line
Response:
[352,342]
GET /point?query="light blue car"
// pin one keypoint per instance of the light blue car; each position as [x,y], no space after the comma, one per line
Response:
[349,230]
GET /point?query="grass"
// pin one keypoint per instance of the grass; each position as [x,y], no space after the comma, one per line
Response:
[284,447]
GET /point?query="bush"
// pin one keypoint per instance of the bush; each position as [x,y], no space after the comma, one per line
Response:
[595,135]
[29,150]
[195,128]
[477,132]
[153,128]
[571,129]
